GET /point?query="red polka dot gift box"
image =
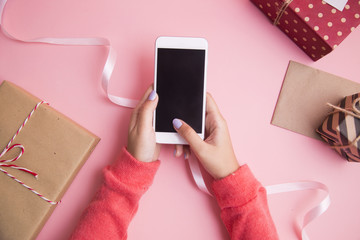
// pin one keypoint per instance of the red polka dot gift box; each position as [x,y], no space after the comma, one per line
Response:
[314,25]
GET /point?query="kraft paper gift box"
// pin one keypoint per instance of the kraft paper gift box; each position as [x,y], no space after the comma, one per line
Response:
[313,25]
[341,128]
[303,105]
[55,149]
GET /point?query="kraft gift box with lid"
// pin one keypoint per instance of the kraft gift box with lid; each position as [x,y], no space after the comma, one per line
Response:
[55,148]
[314,26]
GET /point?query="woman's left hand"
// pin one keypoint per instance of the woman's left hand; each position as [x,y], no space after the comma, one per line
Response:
[141,138]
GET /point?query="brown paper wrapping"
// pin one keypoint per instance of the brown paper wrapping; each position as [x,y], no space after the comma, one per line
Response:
[341,129]
[301,106]
[55,148]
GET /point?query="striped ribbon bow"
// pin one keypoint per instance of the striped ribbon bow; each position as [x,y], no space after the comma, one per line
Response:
[6,150]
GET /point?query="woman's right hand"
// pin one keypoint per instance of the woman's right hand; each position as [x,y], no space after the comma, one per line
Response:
[215,153]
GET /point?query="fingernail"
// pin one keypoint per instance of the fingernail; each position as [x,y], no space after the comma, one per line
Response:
[177,123]
[152,95]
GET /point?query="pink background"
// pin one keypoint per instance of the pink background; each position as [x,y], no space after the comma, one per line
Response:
[247,62]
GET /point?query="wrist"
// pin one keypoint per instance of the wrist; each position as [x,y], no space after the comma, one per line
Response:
[226,171]
[143,153]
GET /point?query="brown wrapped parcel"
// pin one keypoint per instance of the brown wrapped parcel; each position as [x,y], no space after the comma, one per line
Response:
[341,128]
[55,148]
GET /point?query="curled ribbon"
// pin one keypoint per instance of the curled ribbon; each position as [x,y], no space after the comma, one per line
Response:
[96,41]
[299,186]
[105,79]
[274,189]
[10,147]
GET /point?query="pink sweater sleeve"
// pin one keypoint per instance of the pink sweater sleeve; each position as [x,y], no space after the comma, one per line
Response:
[110,212]
[243,203]
[240,196]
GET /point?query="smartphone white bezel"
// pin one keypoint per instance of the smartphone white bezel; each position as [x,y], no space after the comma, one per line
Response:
[180,43]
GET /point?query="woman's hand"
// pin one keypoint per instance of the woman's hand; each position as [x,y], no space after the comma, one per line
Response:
[215,153]
[141,138]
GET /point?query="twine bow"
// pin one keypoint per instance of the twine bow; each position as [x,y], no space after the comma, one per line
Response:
[6,150]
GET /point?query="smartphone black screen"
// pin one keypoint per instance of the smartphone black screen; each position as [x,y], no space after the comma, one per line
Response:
[180,86]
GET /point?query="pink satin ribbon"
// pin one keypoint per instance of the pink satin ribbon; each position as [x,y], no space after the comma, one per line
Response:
[299,186]
[96,41]
[131,103]
[274,189]
[197,175]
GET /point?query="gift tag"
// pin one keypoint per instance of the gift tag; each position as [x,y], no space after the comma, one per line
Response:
[338,4]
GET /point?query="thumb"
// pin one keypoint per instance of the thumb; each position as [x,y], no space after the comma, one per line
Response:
[189,134]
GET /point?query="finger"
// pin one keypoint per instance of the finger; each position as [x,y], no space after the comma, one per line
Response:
[157,152]
[146,111]
[186,150]
[189,134]
[211,106]
[146,95]
[134,115]
[178,150]
[213,115]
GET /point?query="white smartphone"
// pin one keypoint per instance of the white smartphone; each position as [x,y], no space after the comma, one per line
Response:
[180,82]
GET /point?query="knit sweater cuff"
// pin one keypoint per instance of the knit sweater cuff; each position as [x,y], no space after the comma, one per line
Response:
[138,173]
[239,187]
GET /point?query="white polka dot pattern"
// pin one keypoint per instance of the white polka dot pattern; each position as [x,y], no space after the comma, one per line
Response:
[315,26]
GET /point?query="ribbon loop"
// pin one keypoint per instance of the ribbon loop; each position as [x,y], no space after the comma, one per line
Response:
[20,168]
[106,75]
[93,41]
[355,112]
[299,186]
[274,189]
[7,149]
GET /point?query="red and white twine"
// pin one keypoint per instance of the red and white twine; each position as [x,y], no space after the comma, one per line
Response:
[9,147]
